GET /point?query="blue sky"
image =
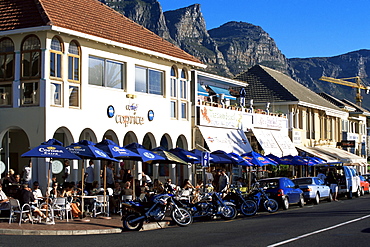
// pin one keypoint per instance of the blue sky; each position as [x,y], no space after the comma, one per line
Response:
[300,28]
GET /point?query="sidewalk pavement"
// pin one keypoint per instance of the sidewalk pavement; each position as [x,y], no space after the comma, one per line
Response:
[85,226]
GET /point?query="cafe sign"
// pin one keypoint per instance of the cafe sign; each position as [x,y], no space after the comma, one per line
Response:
[127,119]
[219,117]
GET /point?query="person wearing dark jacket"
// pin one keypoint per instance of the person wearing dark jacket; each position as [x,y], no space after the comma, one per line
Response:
[25,196]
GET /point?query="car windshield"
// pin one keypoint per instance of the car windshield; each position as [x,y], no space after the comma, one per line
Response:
[269,184]
[301,181]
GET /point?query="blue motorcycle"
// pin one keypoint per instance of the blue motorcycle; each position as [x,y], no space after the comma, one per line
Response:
[136,213]
[262,200]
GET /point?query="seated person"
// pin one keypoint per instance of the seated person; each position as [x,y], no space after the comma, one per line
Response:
[158,187]
[126,191]
[4,200]
[170,187]
[25,196]
[54,191]
[69,193]
[36,191]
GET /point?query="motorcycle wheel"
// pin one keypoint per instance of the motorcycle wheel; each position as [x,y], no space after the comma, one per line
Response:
[136,226]
[228,212]
[182,217]
[248,208]
[271,205]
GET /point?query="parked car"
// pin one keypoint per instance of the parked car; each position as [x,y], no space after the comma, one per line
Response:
[367,177]
[283,190]
[314,189]
[364,185]
[349,181]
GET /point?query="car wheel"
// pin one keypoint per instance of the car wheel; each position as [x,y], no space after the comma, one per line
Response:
[358,192]
[362,191]
[330,198]
[285,203]
[316,200]
[301,201]
[349,194]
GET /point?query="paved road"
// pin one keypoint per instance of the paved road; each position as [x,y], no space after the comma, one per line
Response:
[342,223]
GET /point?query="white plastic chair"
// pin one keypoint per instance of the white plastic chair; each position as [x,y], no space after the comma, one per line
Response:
[15,208]
[62,206]
[101,206]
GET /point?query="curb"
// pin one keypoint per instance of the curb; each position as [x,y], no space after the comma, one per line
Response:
[58,232]
[146,227]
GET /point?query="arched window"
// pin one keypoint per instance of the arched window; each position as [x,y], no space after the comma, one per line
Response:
[74,59]
[56,53]
[173,90]
[31,69]
[183,84]
[31,58]
[173,82]
[184,94]
[6,59]
[74,62]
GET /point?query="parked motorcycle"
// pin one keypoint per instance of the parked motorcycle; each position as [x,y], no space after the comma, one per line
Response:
[211,204]
[247,207]
[262,200]
[136,213]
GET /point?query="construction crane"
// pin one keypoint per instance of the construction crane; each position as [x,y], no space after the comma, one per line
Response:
[358,84]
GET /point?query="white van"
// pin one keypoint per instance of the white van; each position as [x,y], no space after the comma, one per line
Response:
[349,181]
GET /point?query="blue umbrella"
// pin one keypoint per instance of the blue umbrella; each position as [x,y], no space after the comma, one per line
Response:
[51,149]
[144,154]
[185,155]
[86,150]
[221,157]
[286,160]
[239,160]
[257,159]
[306,161]
[115,151]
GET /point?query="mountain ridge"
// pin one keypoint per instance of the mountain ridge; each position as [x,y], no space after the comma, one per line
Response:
[234,47]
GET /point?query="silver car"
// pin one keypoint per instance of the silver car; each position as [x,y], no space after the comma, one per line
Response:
[313,189]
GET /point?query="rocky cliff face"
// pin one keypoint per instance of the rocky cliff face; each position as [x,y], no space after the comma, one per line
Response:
[147,13]
[307,71]
[236,46]
[244,45]
[228,50]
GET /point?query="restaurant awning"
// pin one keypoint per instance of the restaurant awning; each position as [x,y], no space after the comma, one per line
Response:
[267,142]
[285,143]
[343,155]
[317,153]
[228,140]
[202,91]
[223,91]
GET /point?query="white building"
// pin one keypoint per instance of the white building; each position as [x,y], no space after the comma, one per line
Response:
[75,70]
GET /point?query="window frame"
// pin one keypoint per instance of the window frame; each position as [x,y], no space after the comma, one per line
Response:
[7,54]
[104,72]
[56,71]
[34,100]
[59,93]
[149,87]
[31,52]
[4,93]
[73,64]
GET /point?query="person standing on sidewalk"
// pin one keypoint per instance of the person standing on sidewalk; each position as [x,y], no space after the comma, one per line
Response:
[27,173]
[223,182]
[89,176]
